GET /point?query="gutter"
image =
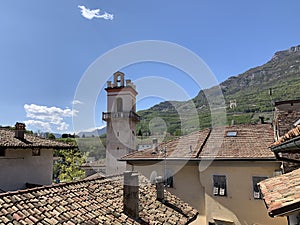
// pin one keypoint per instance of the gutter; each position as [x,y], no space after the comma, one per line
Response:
[285,210]
[290,145]
[196,159]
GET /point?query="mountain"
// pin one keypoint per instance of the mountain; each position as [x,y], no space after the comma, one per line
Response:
[93,133]
[253,92]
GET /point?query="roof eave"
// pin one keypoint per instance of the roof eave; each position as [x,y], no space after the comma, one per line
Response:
[290,145]
[198,159]
[285,210]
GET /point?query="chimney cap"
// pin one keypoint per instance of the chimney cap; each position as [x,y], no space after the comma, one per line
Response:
[20,126]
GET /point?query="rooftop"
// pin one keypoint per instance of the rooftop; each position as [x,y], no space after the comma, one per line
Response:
[282,193]
[291,134]
[249,142]
[91,201]
[8,140]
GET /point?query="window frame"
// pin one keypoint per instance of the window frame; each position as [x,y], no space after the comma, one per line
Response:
[119,103]
[36,152]
[255,187]
[218,184]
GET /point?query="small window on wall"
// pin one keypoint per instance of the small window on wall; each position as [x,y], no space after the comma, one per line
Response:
[36,152]
[256,191]
[219,185]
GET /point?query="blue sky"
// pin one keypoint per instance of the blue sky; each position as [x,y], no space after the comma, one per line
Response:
[46,47]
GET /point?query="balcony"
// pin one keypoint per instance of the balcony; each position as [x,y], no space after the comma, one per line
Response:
[120,115]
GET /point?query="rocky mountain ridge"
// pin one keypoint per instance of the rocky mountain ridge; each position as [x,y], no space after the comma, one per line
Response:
[253,92]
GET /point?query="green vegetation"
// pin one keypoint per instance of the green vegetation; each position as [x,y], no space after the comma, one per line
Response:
[67,166]
[92,146]
[254,91]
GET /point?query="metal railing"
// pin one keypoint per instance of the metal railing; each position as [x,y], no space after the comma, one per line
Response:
[111,115]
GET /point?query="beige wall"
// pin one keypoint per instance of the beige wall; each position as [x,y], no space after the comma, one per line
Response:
[196,188]
[239,205]
[19,167]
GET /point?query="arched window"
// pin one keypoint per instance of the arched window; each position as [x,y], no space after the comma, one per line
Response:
[120,81]
[119,105]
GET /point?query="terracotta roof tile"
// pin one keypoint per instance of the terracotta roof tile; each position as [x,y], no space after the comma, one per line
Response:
[94,201]
[187,146]
[251,142]
[282,192]
[8,140]
[295,132]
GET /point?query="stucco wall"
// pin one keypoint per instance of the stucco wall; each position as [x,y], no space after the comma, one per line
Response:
[239,206]
[19,167]
[196,188]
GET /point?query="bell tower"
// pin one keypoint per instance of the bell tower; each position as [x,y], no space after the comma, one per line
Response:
[121,120]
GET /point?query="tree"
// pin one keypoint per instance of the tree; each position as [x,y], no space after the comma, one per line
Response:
[51,136]
[67,167]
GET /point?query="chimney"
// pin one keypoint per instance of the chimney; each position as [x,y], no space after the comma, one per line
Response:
[262,119]
[131,194]
[232,122]
[160,195]
[154,146]
[20,130]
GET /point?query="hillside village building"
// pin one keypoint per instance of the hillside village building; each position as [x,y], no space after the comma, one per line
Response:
[219,180]
[25,160]
[286,117]
[282,194]
[121,119]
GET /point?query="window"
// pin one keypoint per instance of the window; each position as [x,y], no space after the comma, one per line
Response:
[119,105]
[231,134]
[2,151]
[256,190]
[36,152]
[219,185]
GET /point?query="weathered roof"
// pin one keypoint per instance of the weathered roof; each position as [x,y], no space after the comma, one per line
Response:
[250,142]
[8,140]
[282,193]
[291,134]
[93,201]
[187,146]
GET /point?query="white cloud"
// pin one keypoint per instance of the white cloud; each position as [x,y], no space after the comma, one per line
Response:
[77,102]
[94,13]
[63,126]
[39,125]
[45,118]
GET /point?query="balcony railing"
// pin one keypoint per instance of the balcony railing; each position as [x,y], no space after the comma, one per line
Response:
[111,115]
